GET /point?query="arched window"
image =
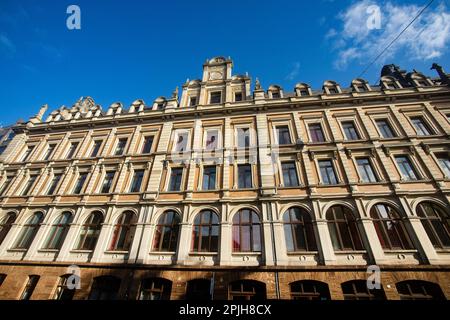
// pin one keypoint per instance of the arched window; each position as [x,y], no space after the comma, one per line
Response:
[198,290]
[124,230]
[90,231]
[205,234]
[390,227]
[309,290]
[246,231]
[6,224]
[29,230]
[166,233]
[298,230]
[58,231]
[436,222]
[343,229]
[246,290]
[62,290]
[105,288]
[358,290]
[155,289]
[419,290]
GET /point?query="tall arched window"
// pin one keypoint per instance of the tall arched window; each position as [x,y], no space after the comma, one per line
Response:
[205,234]
[343,229]
[246,231]
[155,289]
[309,290]
[246,290]
[90,231]
[58,231]
[105,288]
[390,227]
[124,230]
[419,290]
[29,230]
[63,292]
[298,230]
[166,233]
[436,222]
[6,224]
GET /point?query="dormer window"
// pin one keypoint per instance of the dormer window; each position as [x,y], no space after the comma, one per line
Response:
[160,106]
[237,96]
[390,85]
[193,101]
[215,97]
[304,92]
[276,95]
[361,88]
[333,90]
[423,83]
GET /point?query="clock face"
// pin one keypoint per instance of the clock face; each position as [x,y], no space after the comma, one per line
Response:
[215,75]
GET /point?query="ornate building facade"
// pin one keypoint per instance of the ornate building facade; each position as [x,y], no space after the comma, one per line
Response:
[224,192]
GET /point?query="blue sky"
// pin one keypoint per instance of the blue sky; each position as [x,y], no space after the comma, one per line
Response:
[128,50]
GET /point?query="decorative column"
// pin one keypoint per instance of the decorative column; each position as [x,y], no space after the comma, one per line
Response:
[267,239]
[185,237]
[324,244]
[225,237]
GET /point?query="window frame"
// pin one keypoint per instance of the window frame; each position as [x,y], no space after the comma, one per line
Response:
[297,176]
[334,168]
[169,179]
[202,177]
[198,222]
[175,135]
[174,232]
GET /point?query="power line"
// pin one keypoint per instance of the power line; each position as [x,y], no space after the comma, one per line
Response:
[395,39]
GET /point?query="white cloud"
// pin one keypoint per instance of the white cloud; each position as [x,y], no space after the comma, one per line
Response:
[7,44]
[427,38]
[294,72]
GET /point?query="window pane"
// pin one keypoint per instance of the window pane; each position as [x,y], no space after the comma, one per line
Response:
[385,128]
[327,172]
[148,142]
[365,170]
[316,133]
[350,130]
[406,168]
[244,176]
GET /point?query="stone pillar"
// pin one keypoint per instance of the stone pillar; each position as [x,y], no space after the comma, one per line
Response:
[225,237]
[325,246]
[134,140]
[267,239]
[109,141]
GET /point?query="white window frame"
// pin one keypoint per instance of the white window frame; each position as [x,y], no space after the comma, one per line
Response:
[387,117]
[250,131]
[219,138]
[175,135]
[413,161]
[284,123]
[297,169]
[200,180]
[321,121]
[333,160]
[358,128]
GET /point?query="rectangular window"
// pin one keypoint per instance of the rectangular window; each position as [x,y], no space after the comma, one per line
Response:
[385,128]
[137,181]
[216,97]
[29,288]
[290,178]
[327,172]
[421,127]
[160,106]
[283,135]
[316,132]
[96,148]
[444,162]
[212,137]
[244,176]
[73,147]
[107,182]
[365,170]
[406,168]
[350,130]
[147,147]
[193,101]
[276,95]
[181,141]
[5,185]
[391,86]
[31,180]
[49,151]
[54,184]
[176,175]
[120,148]
[238,96]
[243,137]
[209,178]
[80,183]
[27,154]
[2,149]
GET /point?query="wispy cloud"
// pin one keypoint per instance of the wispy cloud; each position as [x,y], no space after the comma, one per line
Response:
[7,45]
[425,39]
[294,71]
